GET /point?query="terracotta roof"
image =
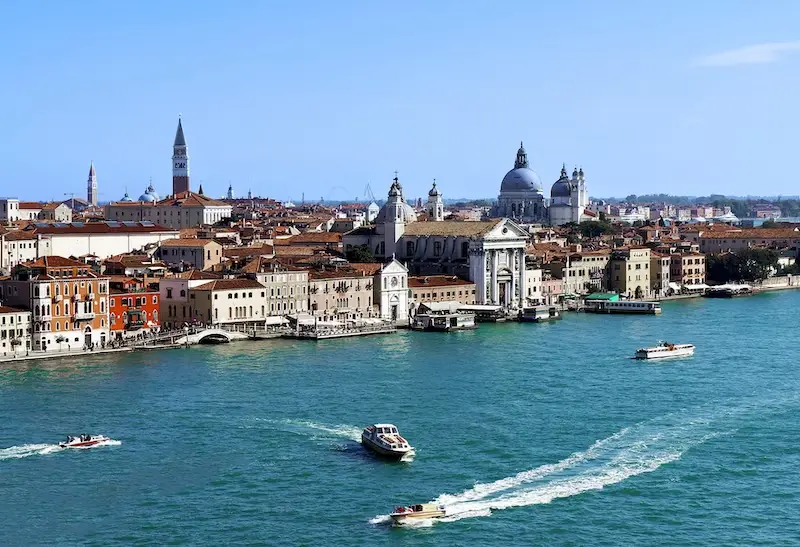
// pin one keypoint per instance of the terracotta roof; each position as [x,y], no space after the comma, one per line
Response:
[337,274]
[362,231]
[187,242]
[230,284]
[418,282]
[55,262]
[194,275]
[30,205]
[98,228]
[286,250]
[314,237]
[369,268]
[191,199]
[449,228]
[9,309]
[19,235]
[755,233]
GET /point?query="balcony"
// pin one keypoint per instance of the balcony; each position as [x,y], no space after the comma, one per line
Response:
[88,296]
[58,298]
[83,316]
[43,317]
[76,297]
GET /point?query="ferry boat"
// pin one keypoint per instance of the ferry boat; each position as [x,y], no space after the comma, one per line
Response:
[538,314]
[82,441]
[420,511]
[385,440]
[664,350]
[622,306]
[728,291]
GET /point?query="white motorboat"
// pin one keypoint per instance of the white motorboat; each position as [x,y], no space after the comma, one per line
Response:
[421,511]
[664,350]
[82,441]
[384,440]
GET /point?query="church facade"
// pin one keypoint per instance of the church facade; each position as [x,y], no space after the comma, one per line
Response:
[489,253]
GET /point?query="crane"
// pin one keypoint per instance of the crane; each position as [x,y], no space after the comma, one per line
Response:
[368,192]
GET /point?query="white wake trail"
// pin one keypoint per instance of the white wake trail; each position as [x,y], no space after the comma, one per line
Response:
[350,432]
[26,450]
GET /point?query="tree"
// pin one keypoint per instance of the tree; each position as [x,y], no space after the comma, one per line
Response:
[360,253]
[769,224]
[594,228]
[747,265]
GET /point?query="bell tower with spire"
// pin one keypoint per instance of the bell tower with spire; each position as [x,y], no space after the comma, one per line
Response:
[180,162]
[91,186]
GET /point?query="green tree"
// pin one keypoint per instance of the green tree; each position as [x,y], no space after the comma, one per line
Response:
[747,265]
[360,253]
[594,228]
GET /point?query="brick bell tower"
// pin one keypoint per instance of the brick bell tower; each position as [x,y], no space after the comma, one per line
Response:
[180,163]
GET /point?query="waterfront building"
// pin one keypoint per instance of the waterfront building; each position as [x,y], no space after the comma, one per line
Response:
[739,239]
[134,308]
[340,294]
[440,288]
[69,302]
[660,278]
[9,210]
[582,271]
[91,186]
[533,285]
[177,309]
[688,269]
[286,287]
[240,303]
[391,291]
[197,254]
[630,272]
[15,330]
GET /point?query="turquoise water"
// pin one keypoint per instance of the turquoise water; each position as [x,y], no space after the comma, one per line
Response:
[529,434]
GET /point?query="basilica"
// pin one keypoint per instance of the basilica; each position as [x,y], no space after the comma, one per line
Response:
[522,196]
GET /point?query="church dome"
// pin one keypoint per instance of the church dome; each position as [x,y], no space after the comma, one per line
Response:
[387,212]
[522,178]
[562,187]
[126,197]
[433,191]
[149,195]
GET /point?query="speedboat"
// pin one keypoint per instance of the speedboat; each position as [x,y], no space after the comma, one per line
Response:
[384,440]
[420,511]
[82,441]
[664,350]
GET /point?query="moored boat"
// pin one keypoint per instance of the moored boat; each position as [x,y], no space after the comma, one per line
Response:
[664,350]
[385,440]
[82,441]
[623,306]
[538,314]
[421,511]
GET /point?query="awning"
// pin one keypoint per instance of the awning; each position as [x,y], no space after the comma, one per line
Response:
[275,320]
[675,287]
[698,287]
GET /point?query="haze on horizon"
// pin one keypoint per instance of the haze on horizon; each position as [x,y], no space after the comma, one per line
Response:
[321,98]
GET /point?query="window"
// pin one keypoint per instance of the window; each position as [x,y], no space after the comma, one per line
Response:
[437,248]
[183,292]
[169,293]
[155,299]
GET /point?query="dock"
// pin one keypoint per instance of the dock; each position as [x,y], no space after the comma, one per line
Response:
[331,333]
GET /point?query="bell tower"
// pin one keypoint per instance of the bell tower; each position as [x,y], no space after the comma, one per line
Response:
[91,186]
[180,162]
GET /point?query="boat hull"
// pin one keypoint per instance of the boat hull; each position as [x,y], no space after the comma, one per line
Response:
[402,518]
[387,453]
[649,356]
[83,444]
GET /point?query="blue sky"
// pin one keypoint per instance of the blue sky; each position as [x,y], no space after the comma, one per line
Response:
[322,97]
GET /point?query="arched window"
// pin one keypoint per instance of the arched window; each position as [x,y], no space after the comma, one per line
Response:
[37,310]
[113,318]
[409,248]
[155,316]
[36,290]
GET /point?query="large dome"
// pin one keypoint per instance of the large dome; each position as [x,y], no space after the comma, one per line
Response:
[562,187]
[149,195]
[407,213]
[521,179]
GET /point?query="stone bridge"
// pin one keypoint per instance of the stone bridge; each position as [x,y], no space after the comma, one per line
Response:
[198,336]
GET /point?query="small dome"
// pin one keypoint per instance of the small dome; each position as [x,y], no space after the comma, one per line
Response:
[562,187]
[126,197]
[433,191]
[150,195]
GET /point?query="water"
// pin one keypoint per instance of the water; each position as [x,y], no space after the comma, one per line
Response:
[529,434]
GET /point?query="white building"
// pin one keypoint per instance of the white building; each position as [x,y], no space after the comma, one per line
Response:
[9,210]
[391,291]
[435,205]
[230,302]
[176,306]
[15,330]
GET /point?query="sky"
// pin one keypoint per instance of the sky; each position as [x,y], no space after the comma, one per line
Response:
[319,99]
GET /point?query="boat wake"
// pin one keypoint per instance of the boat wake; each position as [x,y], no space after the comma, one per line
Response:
[635,450]
[313,429]
[27,450]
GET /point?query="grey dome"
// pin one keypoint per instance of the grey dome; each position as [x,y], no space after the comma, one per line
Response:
[149,195]
[126,197]
[561,189]
[407,213]
[521,179]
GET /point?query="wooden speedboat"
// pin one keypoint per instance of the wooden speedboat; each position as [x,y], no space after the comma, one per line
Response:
[82,441]
[664,350]
[420,511]
[384,440]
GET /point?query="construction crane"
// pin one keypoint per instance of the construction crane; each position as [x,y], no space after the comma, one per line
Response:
[368,193]
[71,198]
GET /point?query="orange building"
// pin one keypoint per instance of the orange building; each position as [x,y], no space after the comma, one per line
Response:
[68,301]
[133,307]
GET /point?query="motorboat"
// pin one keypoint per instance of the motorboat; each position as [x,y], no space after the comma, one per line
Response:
[421,511]
[539,314]
[385,440]
[82,441]
[664,350]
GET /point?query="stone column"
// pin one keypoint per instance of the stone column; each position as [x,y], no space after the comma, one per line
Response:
[522,289]
[493,279]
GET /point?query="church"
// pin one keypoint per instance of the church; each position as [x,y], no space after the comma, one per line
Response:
[522,196]
[489,253]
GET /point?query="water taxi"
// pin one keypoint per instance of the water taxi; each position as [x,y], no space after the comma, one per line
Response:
[664,350]
[385,440]
[728,291]
[420,511]
[623,306]
[82,441]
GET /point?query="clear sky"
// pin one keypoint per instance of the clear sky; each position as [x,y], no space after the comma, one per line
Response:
[684,97]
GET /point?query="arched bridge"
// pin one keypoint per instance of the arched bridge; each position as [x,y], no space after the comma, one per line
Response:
[210,335]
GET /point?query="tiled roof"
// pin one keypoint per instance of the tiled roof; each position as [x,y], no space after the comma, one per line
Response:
[449,228]
[9,309]
[286,250]
[195,275]
[336,274]
[187,242]
[313,237]
[362,231]
[755,233]
[230,284]
[249,251]
[55,262]
[418,282]
[191,199]
[19,235]
[98,228]
[369,268]
[30,205]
